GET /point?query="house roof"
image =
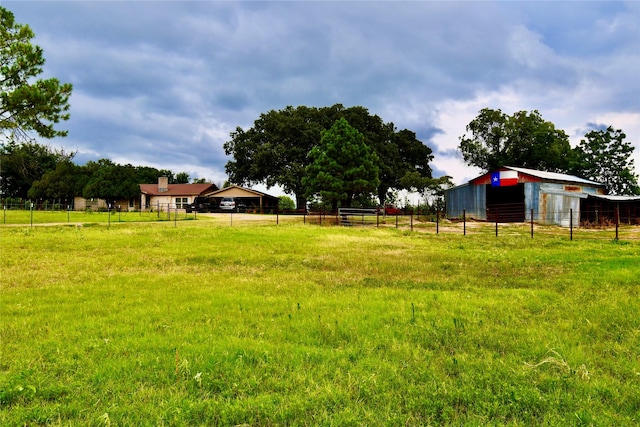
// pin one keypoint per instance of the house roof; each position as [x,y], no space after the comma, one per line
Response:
[177,189]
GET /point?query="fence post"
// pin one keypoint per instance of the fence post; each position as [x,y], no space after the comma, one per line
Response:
[31,214]
[5,214]
[464,222]
[109,214]
[438,221]
[617,215]
[396,219]
[68,213]
[497,223]
[277,216]
[411,218]
[571,224]
[532,223]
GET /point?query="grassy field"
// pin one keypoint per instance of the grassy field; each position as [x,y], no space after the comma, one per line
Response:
[206,324]
[23,217]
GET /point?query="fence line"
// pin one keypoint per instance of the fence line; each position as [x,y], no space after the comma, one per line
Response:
[566,222]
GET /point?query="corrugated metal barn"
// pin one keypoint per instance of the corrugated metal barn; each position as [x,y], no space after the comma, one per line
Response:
[511,194]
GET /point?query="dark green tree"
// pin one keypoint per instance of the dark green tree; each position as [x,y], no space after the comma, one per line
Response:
[182,178]
[21,164]
[147,175]
[110,181]
[63,183]
[523,139]
[275,150]
[486,147]
[399,151]
[431,189]
[536,143]
[342,167]
[27,104]
[604,156]
[412,158]
[286,203]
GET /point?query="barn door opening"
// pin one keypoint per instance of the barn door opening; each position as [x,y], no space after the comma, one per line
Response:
[505,204]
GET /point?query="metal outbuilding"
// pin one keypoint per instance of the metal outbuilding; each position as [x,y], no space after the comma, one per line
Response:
[513,194]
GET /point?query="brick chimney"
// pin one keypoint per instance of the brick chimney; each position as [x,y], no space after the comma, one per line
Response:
[163,184]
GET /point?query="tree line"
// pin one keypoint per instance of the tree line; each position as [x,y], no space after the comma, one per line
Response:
[29,170]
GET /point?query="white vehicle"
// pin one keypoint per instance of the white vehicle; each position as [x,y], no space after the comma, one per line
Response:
[230,204]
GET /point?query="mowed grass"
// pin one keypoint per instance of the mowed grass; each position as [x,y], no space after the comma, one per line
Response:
[202,324]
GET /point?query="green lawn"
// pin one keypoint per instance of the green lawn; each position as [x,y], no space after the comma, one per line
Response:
[11,216]
[207,324]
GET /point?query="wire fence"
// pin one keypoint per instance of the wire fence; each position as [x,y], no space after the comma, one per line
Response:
[589,224]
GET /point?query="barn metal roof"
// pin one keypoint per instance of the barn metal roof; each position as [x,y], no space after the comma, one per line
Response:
[614,198]
[554,176]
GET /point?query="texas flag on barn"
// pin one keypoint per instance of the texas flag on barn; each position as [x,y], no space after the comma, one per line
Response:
[504,178]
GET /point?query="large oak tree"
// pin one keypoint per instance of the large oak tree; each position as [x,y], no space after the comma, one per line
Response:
[275,150]
[495,139]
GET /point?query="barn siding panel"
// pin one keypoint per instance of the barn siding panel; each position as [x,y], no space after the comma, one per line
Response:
[472,198]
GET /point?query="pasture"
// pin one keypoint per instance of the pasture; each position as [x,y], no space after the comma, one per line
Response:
[200,323]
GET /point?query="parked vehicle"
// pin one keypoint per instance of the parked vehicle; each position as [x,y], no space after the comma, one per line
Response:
[390,210]
[200,204]
[231,204]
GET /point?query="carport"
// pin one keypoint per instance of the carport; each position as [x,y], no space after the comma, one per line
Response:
[254,200]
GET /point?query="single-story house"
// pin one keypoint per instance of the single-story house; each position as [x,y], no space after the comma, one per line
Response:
[513,194]
[175,196]
[252,199]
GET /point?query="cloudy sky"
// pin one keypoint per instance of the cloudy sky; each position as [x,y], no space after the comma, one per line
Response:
[163,83]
